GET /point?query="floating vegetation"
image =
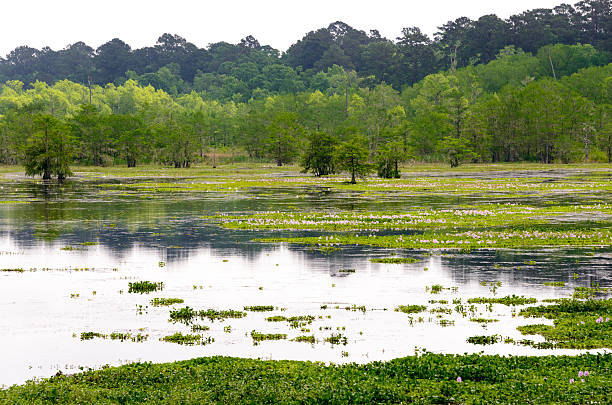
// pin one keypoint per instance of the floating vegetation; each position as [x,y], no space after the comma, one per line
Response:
[91,335]
[576,324]
[164,302]
[441,310]
[16,270]
[294,321]
[186,315]
[411,309]
[590,292]
[145,287]
[259,308]
[337,339]
[395,260]
[71,248]
[483,320]
[277,318]
[199,328]
[187,339]
[259,337]
[435,289]
[509,300]
[555,284]
[484,340]
[128,337]
[346,271]
[532,237]
[307,339]
[356,308]
[329,249]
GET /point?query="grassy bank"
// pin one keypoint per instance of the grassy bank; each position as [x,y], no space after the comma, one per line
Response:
[428,378]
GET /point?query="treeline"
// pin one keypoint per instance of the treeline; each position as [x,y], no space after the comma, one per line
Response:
[512,109]
[239,72]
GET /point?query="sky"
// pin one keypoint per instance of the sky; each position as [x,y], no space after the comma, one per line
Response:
[139,23]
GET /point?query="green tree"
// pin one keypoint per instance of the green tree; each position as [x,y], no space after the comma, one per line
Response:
[388,157]
[283,137]
[457,150]
[352,156]
[319,155]
[49,151]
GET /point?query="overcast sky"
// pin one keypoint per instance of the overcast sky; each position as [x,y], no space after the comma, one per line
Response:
[57,23]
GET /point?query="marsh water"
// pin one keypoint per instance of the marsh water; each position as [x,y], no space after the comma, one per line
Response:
[80,248]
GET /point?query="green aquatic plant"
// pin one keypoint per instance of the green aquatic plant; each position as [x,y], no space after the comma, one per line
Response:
[144,287]
[91,335]
[555,284]
[186,315]
[337,339]
[395,260]
[576,324]
[164,302]
[426,378]
[186,339]
[484,340]
[307,339]
[508,300]
[259,308]
[259,337]
[410,309]
[128,337]
[483,320]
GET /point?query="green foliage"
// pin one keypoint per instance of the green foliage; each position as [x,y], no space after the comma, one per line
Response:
[577,324]
[425,379]
[352,156]
[159,302]
[260,308]
[144,287]
[388,159]
[457,150]
[509,300]
[484,340]
[187,339]
[410,309]
[319,155]
[395,260]
[49,150]
[259,337]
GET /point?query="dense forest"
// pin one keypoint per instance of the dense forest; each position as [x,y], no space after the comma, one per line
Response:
[534,87]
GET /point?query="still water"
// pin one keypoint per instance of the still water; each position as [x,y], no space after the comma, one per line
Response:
[80,248]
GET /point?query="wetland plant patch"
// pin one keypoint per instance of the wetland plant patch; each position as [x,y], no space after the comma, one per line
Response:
[428,378]
[144,287]
[576,324]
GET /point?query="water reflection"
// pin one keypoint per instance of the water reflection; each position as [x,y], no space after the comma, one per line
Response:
[75,287]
